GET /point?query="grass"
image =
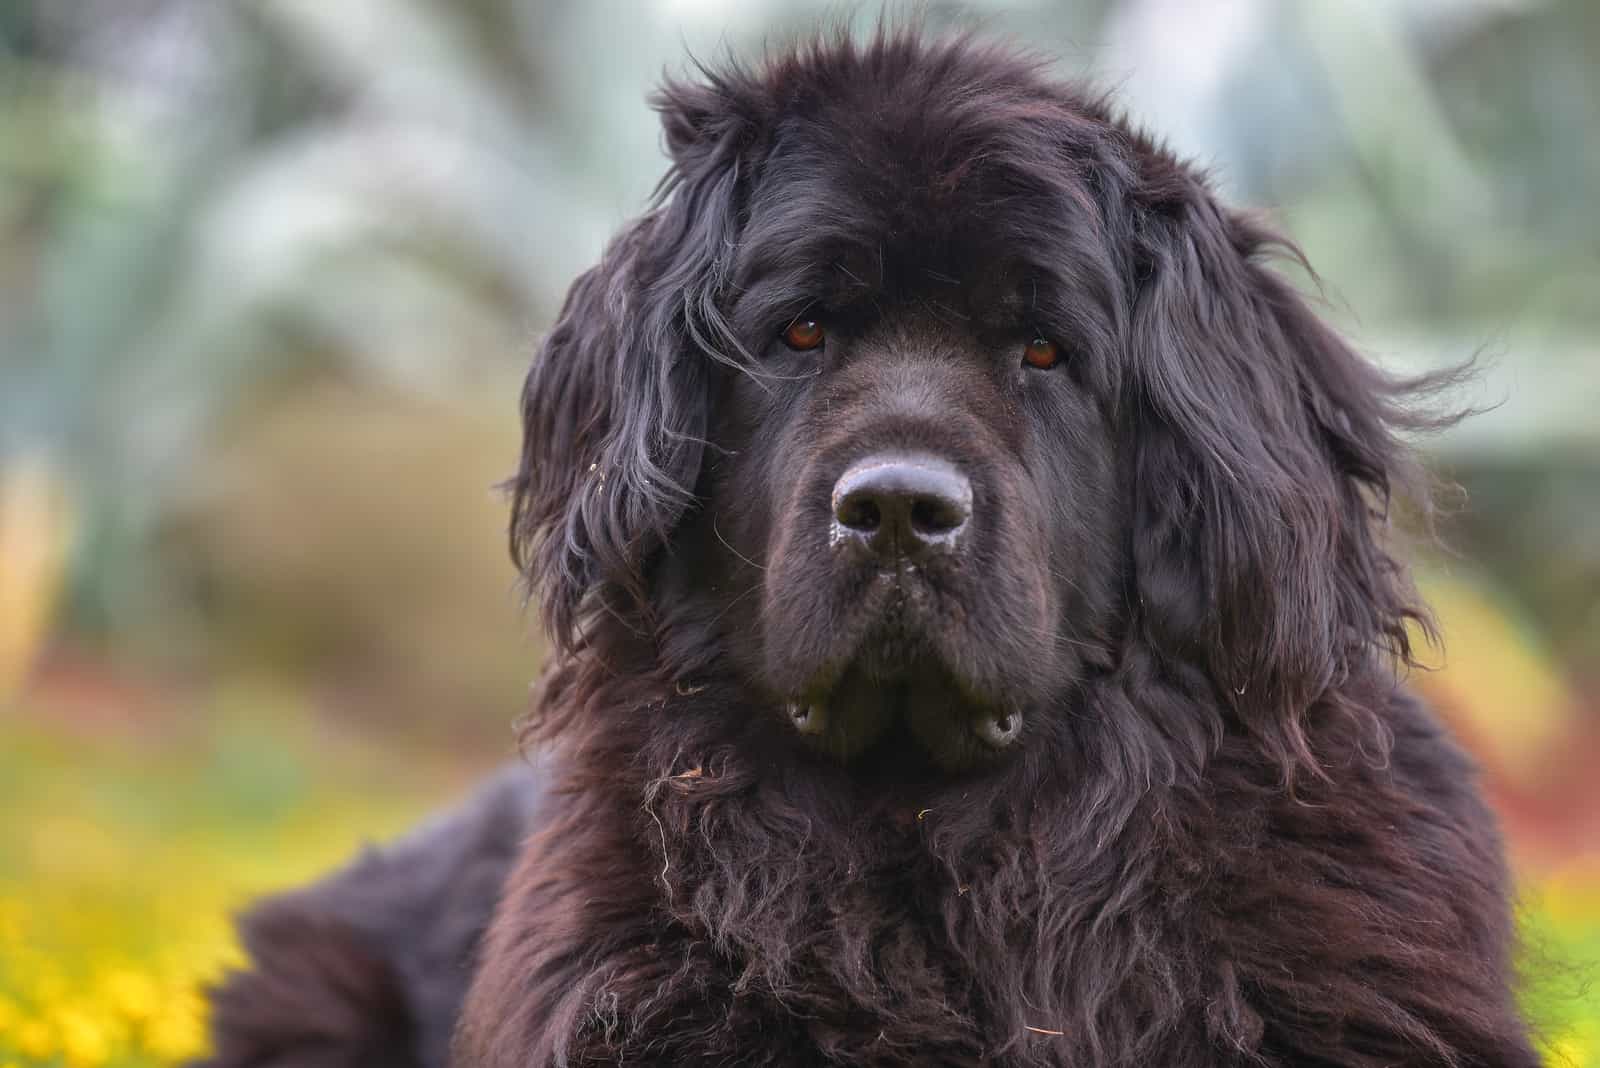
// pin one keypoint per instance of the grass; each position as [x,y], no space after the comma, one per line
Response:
[125,846]
[123,853]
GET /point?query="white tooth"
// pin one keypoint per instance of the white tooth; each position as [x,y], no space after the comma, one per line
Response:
[999,730]
[807,718]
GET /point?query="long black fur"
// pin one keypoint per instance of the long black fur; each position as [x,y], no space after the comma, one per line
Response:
[1226,836]
[369,966]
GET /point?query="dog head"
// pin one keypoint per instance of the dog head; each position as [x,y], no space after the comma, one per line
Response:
[928,394]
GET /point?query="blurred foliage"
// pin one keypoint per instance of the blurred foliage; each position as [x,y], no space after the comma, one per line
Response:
[269,271]
[1488,663]
[126,844]
[390,585]
[1532,522]
[34,526]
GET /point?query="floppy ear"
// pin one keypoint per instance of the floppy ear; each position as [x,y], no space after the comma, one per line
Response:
[614,408]
[1265,462]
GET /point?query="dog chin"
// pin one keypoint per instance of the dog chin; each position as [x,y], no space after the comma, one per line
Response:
[883,687]
[896,710]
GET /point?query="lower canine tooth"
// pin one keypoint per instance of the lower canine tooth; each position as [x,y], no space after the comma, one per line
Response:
[999,730]
[807,719]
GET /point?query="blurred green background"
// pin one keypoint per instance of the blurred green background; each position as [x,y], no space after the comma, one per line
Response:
[269,274]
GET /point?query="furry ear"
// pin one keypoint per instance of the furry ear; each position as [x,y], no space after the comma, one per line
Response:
[614,408]
[1265,463]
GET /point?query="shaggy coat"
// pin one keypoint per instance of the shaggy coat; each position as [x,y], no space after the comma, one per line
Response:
[1107,766]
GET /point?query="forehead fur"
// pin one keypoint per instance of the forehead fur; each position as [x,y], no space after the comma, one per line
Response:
[900,166]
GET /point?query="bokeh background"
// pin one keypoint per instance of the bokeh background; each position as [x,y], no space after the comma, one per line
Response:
[270,271]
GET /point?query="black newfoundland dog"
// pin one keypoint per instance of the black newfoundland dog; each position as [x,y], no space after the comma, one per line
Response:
[977,641]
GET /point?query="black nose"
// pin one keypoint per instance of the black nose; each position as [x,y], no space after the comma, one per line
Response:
[902,505]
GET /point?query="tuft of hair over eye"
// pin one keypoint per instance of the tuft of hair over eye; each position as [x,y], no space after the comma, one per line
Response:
[804,334]
[1041,353]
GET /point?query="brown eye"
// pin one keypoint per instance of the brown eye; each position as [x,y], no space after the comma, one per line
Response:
[1041,353]
[803,335]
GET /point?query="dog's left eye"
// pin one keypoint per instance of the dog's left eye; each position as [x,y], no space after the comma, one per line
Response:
[803,335]
[1042,353]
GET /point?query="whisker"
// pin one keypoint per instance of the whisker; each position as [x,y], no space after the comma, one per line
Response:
[1094,647]
[848,273]
[938,308]
[734,601]
[707,443]
[730,547]
[768,375]
[1063,577]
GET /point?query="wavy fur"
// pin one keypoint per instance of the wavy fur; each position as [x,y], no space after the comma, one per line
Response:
[1226,837]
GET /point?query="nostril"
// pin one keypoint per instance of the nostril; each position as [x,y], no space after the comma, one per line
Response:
[932,516]
[861,513]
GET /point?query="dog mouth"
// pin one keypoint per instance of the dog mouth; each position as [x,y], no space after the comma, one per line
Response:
[922,714]
[876,662]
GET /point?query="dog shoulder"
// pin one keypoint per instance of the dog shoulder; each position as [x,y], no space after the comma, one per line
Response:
[1369,910]
[1429,766]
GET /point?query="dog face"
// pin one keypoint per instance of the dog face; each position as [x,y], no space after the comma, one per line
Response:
[919,469]
[918,456]
[927,395]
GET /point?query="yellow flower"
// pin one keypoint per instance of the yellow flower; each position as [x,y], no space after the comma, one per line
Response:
[1578,1047]
[130,994]
[9,1014]
[84,1040]
[35,1039]
[179,1033]
[48,985]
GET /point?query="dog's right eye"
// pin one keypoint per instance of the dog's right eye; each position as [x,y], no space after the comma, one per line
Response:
[1042,353]
[803,335]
